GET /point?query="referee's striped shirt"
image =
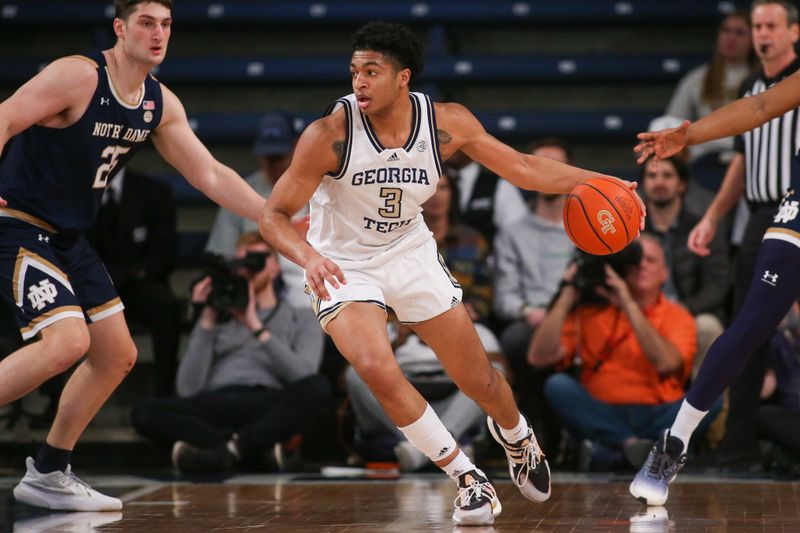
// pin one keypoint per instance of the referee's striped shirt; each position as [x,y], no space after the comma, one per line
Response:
[768,150]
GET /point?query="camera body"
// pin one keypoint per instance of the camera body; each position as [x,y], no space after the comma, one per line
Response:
[229,288]
[591,270]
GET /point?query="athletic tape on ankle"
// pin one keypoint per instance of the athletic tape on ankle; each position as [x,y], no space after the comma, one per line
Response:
[429,436]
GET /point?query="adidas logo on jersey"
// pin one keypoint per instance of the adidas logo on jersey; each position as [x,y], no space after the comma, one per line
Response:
[393,158]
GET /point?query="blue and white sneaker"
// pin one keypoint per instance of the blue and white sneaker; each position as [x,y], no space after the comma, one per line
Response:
[651,484]
[527,464]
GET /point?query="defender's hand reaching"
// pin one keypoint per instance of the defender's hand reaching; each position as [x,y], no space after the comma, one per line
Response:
[663,143]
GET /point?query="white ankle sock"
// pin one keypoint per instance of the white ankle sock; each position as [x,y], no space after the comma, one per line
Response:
[429,436]
[517,433]
[458,466]
[686,422]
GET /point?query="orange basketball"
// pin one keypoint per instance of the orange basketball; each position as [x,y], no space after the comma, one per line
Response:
[602,216]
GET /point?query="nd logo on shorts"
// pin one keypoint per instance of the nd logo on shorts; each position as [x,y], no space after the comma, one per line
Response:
[787,212]
[42,292]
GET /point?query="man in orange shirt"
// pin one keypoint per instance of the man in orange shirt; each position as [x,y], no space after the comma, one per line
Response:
[635,354]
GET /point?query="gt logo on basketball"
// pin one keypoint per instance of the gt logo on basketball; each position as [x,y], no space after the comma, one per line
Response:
[606,221]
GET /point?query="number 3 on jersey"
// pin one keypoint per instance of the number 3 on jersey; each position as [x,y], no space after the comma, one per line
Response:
[392,205]
[104,171]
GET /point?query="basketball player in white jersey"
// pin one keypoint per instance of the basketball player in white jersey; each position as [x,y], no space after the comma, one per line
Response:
[367,167]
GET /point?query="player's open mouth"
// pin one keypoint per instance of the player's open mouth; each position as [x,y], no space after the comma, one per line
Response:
[363,101]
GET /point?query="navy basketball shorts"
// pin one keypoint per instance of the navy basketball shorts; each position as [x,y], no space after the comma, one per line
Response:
[786,223]
[44,279]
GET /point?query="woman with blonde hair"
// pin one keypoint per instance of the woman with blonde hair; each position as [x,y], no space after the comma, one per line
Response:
[714,84]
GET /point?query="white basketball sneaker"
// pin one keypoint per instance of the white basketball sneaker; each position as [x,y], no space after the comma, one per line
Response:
[527,464]
[477,503]
[61,491]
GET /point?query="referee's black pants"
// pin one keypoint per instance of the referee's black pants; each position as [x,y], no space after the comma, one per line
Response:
[260,415]
[741,427]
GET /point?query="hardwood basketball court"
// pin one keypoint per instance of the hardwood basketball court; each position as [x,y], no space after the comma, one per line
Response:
[297,503]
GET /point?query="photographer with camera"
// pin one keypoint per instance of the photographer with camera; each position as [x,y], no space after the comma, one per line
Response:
[635,348]
[248,380]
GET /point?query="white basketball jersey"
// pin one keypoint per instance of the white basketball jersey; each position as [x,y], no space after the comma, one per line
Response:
[372,207]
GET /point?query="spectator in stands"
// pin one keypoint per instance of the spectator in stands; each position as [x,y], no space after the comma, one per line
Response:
[138,248]
[464,250]
[485,202]
[713,84]
[635,354]
[276,137]
[697,197]
[459,413]
[248,380]
[530,257]
[779,419]
[701,284]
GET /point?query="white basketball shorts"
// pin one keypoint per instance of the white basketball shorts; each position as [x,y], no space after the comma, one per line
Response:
[415,284]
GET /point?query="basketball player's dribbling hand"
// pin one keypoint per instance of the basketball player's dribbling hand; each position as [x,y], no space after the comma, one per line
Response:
[319,270]
[663,143]
[632,185]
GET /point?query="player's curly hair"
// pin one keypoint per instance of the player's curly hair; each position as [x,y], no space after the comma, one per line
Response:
[394,41]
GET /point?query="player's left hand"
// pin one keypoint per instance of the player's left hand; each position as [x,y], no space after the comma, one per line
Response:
[3,203]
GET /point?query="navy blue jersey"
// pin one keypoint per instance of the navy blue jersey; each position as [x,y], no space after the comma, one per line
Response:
[55,177]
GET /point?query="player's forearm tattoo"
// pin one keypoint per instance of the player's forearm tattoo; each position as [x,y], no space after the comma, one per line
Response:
[444,137]
[338,149]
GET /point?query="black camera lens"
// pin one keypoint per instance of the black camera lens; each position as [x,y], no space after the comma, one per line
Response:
[591,272]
